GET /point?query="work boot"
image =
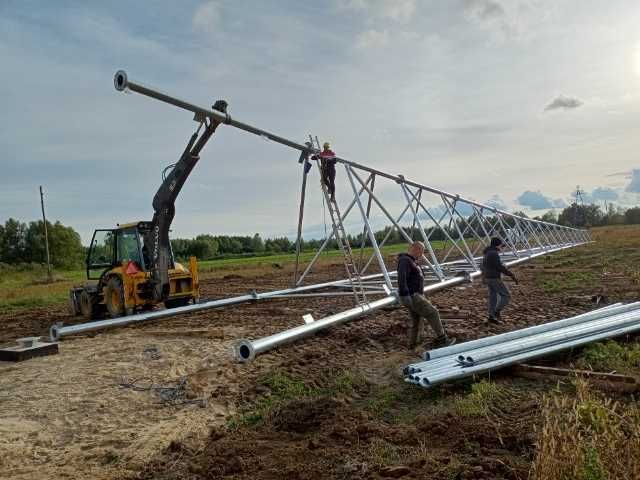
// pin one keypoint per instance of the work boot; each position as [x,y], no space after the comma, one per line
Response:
[495,320]
[443,341]
[498,317]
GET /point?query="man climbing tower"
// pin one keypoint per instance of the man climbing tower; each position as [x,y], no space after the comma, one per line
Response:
[328,168]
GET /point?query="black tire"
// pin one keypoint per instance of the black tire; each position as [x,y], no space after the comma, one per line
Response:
[177,302]
[87,303]
[74,303]
[114,297]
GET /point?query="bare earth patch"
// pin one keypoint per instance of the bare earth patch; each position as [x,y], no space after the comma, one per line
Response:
[67,416]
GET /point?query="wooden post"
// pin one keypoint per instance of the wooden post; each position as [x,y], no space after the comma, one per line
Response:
[46,235]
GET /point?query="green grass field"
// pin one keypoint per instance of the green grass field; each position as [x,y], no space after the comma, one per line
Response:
[27,288]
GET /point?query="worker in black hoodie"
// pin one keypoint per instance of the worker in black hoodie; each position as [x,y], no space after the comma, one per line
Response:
[411,295]
[492,270]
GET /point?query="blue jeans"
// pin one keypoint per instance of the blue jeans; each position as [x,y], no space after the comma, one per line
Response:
[499,295]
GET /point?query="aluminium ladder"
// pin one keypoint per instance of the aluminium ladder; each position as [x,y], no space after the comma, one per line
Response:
[342,240]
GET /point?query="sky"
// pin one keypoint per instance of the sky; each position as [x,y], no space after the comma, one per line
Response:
[513,102]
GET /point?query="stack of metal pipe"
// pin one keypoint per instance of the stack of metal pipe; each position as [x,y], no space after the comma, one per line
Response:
[498,351]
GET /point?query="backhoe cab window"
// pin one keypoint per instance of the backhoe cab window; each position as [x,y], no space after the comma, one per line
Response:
[129,247]
[101,253]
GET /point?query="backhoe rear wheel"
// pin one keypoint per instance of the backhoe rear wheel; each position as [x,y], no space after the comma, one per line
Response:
[114,297]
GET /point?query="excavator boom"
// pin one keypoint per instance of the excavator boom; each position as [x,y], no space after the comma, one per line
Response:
[156,238]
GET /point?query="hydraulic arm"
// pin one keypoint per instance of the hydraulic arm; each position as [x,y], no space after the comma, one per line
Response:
[156,237]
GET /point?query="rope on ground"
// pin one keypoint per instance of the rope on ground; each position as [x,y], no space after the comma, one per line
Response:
[172,393]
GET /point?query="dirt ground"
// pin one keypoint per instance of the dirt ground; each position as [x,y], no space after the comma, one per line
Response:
[75,415]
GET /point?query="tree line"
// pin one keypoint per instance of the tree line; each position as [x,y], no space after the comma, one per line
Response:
[22,243]
[25,243]
[591,215]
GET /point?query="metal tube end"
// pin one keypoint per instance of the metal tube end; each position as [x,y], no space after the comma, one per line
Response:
[243,351]
[120,80]
[54,335]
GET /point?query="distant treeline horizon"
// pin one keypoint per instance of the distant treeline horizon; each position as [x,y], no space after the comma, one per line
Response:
[22,243]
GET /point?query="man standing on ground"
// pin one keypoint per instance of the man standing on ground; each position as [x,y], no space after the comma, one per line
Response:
[328,168]
[411,295]
[492,269]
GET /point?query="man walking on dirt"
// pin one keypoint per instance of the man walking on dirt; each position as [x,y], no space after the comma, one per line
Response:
[411,295]
[492,269]
[328,168]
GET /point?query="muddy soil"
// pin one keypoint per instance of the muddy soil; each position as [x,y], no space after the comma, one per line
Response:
[325,438]
[76,415]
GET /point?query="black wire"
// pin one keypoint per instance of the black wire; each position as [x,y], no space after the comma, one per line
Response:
[170,394]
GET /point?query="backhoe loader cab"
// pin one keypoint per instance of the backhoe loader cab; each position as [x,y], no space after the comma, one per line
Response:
[118,276]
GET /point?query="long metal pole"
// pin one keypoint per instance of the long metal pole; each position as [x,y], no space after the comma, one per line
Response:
[525,332]
[436,266]
[300,218]
[413,225]
[561,335]
[58,330]
[367,225]
[427,379]
[46,235]
[363,241]
[246,350]
[122,83]
[437,225]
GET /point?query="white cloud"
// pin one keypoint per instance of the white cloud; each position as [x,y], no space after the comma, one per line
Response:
[206,17]
[441,96]
[513,19]
[496,201]
[484,9]
[537,201]
[400,11]
[372,39]
[634,184]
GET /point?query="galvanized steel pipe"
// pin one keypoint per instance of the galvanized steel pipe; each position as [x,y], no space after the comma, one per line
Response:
[454,373]
[524,332]
[548,338]
[246,350]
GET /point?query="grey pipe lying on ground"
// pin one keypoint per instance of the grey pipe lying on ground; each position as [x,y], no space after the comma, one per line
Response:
[503,337]
[245,350]
[455,372]
[550,338]
[58,331]
[486,343]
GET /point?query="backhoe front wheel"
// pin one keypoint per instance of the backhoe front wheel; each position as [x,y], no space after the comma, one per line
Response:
[88,304]
[114,297]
